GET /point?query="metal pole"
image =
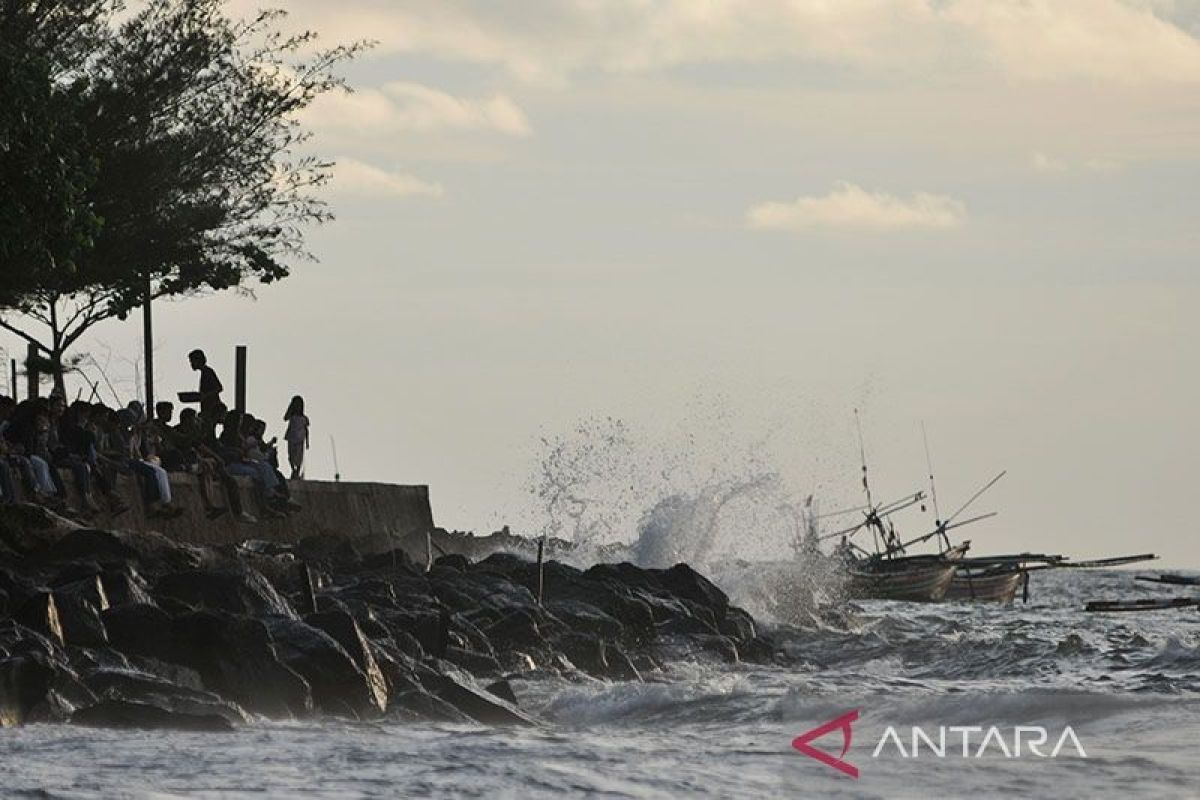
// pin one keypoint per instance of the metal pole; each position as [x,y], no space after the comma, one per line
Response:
[32,376]
[239,378]
[541,583]
[14,378]
[148,348]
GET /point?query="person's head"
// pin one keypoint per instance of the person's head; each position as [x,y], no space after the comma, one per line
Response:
[125,419]
[57,406]
[164,411]
[188,419]
[232,426]
[7,404]
[295,408]
[197,359]
[79,412]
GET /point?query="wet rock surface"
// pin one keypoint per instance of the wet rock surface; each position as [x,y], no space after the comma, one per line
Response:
[120,629]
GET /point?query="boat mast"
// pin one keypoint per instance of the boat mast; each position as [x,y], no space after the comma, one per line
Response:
[873,521]
[937,514]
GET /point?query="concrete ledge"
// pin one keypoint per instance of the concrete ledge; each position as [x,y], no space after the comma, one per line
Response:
[351,510]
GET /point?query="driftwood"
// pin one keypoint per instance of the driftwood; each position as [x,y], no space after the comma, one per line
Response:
[1146,604]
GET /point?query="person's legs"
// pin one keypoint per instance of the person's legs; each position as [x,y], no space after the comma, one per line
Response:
[163,480]
[48,479]
[146,480]
[25,468]
[232,493]
[8,487]
[296,459]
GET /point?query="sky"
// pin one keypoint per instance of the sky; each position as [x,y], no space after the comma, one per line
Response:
[723,227]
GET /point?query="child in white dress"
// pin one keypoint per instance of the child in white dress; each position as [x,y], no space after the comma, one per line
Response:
[296,435]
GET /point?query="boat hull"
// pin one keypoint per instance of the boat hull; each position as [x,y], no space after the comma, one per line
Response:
[974,587]
[918,583]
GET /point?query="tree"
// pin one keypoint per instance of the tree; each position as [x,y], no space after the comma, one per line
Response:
[44,170]
[200,181]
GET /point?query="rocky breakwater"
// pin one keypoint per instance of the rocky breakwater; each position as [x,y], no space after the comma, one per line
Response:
[133,629]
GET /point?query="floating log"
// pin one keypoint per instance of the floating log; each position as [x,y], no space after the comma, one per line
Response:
[1173,580]
[1147,604]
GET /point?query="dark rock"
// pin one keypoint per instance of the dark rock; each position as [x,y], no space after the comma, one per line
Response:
[396,560]
[328,552]
[503,689]
[24,682]
[124,586]
[139,628]
[243,591]
[140,687]
[587,653]
[418,704]
[140,716]
[581,617]
[620,667]
[40,613]
[346,632]
[737,625]
[517,629]
[80,620]
[454,561]
[237,659]
[478,704]
[338,685]
[478,664]
[684,582]
[17,591]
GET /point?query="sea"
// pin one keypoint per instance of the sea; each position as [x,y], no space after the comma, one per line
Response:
[1125,686]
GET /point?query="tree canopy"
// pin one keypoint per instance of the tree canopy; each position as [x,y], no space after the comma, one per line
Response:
[157,153]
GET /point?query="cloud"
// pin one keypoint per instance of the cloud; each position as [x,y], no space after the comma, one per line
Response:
[1044,163]
[850,207]
[400,107]
[355,178]
[551,41]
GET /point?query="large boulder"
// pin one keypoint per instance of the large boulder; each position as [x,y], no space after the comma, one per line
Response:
[235,657]
[480,705]
[338,685]
[142,716]
[236,591]
[346,632]
[141,687]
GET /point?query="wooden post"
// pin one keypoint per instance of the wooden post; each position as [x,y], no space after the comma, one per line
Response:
[32,377]
[541,583]
[148,348]
[239,378]
[14,378]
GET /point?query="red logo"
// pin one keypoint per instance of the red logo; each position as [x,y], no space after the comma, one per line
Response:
[842,723]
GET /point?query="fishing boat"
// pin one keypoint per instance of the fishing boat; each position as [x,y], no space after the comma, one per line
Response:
[993,584]
[917,579]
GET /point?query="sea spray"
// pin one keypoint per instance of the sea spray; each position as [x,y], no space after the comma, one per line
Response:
[618,495]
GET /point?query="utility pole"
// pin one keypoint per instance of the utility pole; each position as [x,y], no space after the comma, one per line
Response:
[148,346]
[239,378]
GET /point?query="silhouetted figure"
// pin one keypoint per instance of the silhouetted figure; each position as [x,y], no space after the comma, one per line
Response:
[296,435]
[210,384]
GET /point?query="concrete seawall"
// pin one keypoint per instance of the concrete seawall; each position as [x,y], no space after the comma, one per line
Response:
[350,510]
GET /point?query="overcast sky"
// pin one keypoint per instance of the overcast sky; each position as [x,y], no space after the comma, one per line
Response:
[730,224]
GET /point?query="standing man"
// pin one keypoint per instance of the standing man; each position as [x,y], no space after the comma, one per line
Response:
[210,384]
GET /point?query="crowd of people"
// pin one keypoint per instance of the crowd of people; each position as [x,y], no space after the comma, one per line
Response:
[93,443]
